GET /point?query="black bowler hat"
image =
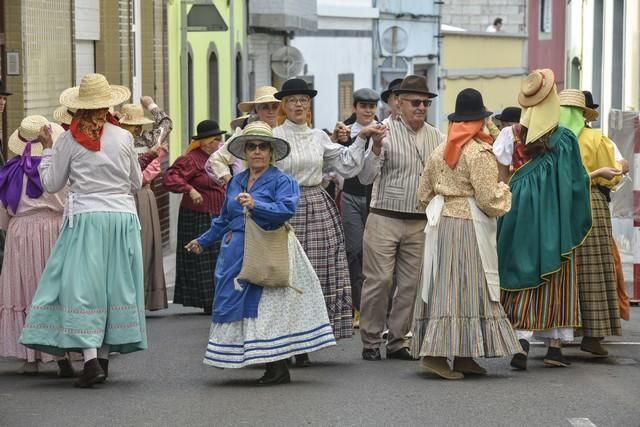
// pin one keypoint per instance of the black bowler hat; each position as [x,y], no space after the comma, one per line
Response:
[414,84]
[588,100]
[395,84]
[3,90]
[469,107]
[295,87]
[208,128]
[510,114]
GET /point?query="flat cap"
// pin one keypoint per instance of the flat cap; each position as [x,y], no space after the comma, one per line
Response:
[366,95]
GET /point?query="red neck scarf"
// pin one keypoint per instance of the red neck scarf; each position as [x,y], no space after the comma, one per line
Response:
[460,133]
[85,140]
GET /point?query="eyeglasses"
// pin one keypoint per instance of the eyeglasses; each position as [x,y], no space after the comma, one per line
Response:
[263,146]
[416,102]
[303,100]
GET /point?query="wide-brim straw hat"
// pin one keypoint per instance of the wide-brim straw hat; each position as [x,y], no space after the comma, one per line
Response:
[63,115]
[575,98]
[28,131]
[263,95]
[94,93]
[259,131]
[238,121]
[133,114]
[536,87]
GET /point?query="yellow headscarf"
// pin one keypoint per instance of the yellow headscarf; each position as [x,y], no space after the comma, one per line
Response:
[196,143]
[542,117]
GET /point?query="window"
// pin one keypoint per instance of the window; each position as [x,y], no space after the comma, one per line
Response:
[345,96]
[214,90]
[545,16]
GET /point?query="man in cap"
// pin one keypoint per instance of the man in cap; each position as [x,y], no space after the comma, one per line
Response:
[394,233]
[354,202]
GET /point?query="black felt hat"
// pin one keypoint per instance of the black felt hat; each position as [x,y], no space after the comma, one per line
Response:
[510,114]
[3,89]
[395,84]
[295,87]
[469,107]
[588,98]
[208,128]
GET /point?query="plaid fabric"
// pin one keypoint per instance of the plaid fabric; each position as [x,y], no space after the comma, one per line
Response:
[597,275]
[194,273]
[318,228]
[554,304]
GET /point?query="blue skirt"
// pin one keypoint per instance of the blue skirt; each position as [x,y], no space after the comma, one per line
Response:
[91,292]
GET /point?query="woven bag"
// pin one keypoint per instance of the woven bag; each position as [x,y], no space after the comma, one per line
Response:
[266,256]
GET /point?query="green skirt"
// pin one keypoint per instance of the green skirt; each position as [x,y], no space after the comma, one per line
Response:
[91,292]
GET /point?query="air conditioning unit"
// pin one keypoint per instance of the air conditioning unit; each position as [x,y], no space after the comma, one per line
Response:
[407,38]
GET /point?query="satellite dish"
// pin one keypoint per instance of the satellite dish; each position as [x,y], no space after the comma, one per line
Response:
[395,40]
[287,62]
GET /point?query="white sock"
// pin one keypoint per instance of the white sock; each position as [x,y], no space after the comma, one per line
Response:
[89,353]
[103,352]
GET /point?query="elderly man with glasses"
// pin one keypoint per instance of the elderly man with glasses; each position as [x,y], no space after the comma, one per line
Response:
[393,236]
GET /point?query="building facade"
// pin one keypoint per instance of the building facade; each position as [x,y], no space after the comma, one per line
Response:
[546,25]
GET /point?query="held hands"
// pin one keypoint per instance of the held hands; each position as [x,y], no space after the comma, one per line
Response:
[606,173]
[377,132]
[147,102]
[44,137]
[196,197]
[194,247]
[245,200]
[340,133]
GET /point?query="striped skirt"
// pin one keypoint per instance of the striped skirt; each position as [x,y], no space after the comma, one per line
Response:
[552,305]
[597,275]
[288,322]
[194,273]
[458,318]
[318,228]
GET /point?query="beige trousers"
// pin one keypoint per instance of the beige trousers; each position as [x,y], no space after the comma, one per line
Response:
[390,244]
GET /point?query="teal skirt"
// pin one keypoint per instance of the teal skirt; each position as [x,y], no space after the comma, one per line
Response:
[91,292]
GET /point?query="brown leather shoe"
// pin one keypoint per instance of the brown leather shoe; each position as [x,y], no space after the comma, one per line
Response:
[592,345]
[440,367]
[467,365]
[104,364]
[91,374]
[65,369]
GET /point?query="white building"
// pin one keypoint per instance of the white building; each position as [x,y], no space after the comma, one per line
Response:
[338,57]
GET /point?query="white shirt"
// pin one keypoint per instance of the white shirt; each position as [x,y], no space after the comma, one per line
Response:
[491,29]
[99,181]
[503,146]
[312,151]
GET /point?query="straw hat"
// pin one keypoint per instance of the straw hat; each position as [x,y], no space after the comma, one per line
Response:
[238,121]
[28,131]
[94,93]
[575,98]
[263,95]
[63,115]
[536,87]
[133,114]
[259,131]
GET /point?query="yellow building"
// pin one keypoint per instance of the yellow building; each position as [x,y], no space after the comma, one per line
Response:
[494,64]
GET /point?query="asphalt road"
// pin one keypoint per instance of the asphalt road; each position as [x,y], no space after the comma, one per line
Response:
[168,385]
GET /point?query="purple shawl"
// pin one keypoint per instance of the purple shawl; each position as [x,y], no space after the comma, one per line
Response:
[12,177]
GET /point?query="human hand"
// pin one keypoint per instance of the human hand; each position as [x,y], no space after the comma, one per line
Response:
[226,178]
[245,200]
[196,197]
[340,133]
[606,173]
[146,102]
[194,247]
[375,130]
[44,137]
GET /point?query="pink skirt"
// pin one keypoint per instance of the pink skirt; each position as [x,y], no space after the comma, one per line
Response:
[28,245]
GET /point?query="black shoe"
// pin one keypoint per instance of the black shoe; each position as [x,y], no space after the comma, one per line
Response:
[555,359]
[276,373]
[65,369]
[519,361]
[402,354]
[302,360]
[104,364]
[371,354]
[91,374]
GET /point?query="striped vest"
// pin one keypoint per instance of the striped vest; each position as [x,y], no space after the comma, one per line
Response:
[405,154]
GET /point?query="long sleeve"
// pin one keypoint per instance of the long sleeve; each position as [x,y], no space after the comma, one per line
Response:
[218,227]
[371,167]
[503,147]
[219,163]
[492,197]
[135,174]
[605,156]
[54,166]
[162,126]
[347,161]
[145,159]
[280,211]
[153,169]
[176,178]
[426,191]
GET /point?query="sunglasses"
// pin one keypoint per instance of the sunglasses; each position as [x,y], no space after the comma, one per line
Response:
[416,102]
[263,146]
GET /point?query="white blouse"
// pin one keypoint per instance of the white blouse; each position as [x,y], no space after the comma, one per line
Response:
[99,181]
[503,146]
[312,151]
